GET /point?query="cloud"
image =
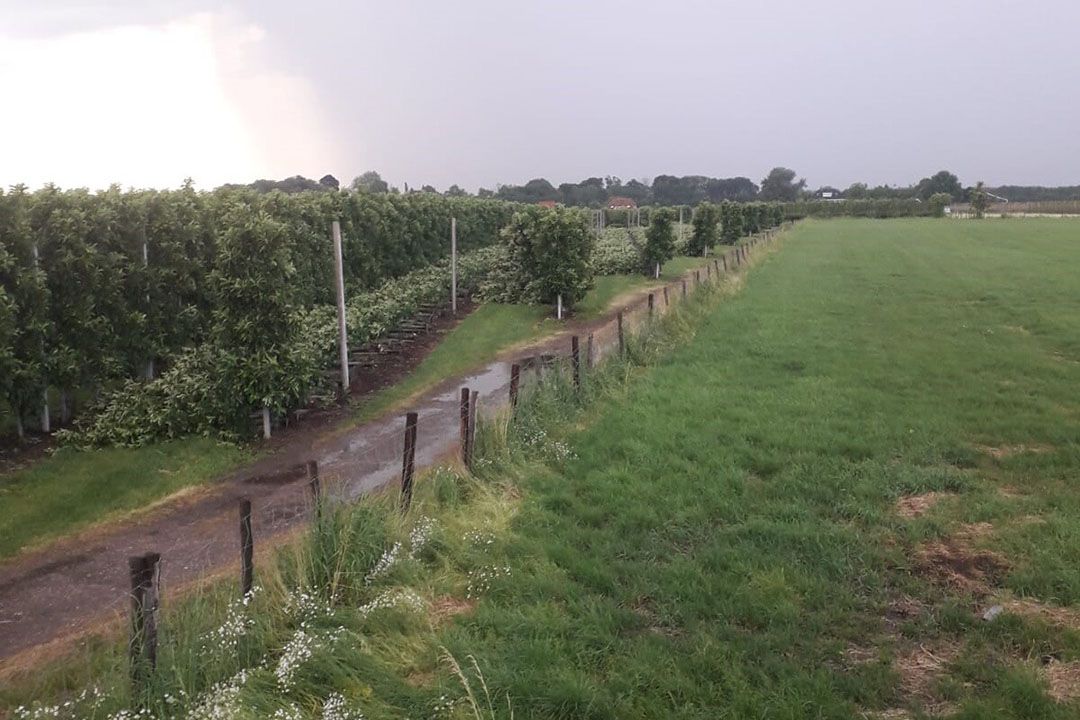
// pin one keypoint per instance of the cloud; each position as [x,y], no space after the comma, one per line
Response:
[151,104]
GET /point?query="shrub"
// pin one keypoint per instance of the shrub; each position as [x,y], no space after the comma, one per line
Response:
[731,218]
[659,240]
[549,253]
[618,252]
[703,234]
[938,201]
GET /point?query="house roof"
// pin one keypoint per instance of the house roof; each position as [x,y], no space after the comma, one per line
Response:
[621,202]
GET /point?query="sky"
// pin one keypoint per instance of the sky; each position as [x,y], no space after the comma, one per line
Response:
[146,93]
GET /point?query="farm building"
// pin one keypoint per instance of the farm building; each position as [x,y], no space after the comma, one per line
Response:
[621,203]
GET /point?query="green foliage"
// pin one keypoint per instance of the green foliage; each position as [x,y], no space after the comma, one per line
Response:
[937,202]
[781,185]
[731,221]
[942,182]
[25,304]
[980,200]
[548,253]
[659,239]
[705,225]
[125,277]
[870,208]
[618,251]
[255,305]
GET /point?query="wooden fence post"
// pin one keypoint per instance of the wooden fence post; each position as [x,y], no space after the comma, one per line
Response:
[463,409]
[575,361]
[473,396]
[408,461]
[247,549]
[515,381]
[725,262]
[708,272]
[667,300]
[652,303]
[697,278]
[684,289]
[589,352]
[622,338]
[313,482]
[145,573]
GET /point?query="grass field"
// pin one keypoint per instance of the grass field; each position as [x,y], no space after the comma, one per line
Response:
[803,509]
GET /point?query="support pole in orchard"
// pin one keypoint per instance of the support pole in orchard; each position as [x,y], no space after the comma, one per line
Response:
[146,267]
[453,265]
[45,423]
[343,337]
[266,422]
[657,275]
[558,307]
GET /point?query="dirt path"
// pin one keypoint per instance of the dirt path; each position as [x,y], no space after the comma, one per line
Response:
[52,597]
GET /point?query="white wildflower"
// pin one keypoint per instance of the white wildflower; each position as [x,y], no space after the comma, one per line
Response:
[401,598]
[335,707]
[480,580]
[297,651]
[421,534]
[386,563]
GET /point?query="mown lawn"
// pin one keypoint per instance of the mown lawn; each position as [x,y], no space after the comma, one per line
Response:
[727,541]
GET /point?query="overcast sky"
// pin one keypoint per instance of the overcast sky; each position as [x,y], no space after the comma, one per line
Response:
[481,92]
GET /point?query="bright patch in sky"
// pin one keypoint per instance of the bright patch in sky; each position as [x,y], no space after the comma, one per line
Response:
[148,106]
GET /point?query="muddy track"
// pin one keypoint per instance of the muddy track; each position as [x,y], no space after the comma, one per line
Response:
[52,598]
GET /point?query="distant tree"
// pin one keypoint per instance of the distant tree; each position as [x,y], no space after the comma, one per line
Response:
[980,200]
[856,191]
[456,191]
[370,182]
[330,181]
[587,193]
[659,240]
[671,190]
[941,182]
[938,201]
[780,184]
[485,193]
[429,189]
[533,191]
[736,188]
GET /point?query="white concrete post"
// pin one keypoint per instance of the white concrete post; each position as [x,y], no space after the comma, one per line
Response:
[343,336]
[453,265]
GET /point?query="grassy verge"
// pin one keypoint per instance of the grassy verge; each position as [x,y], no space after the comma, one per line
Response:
[493,328]
[70,489]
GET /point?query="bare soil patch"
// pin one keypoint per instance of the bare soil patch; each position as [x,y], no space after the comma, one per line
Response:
[1000,452]
[1063,680]
[913,506]
[446,607]
[954,563]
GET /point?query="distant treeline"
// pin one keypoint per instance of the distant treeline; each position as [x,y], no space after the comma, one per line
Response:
[670,190]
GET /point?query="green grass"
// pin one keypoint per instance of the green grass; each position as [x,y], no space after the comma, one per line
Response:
[70,489]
